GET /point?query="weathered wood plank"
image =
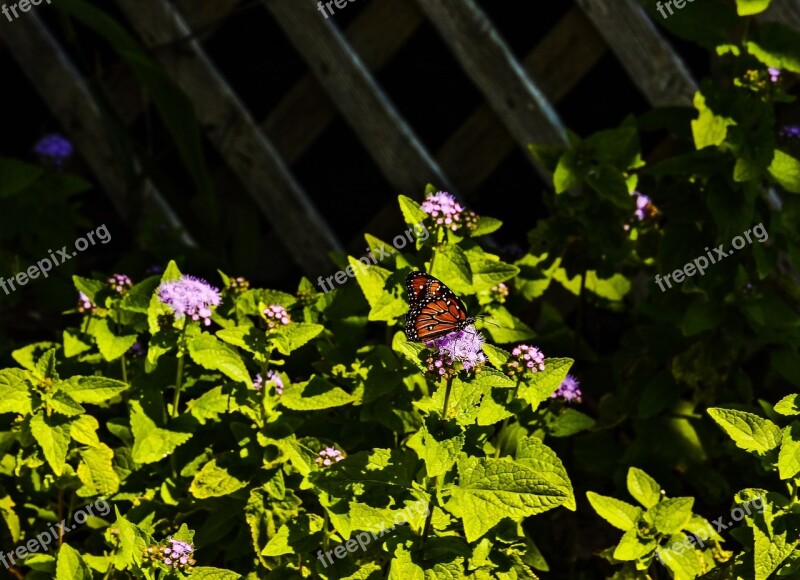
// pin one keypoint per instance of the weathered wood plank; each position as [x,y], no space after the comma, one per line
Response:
[68,97]
[652,65]
[557,63]
[483,54]
[387,137]
[306,110]
[248,152]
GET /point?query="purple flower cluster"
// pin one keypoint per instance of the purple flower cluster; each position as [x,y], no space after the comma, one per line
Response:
[525,358]
[774,74]
[569,390]
[190,296]
[447,212]
[276,315]
[644,205]
[328,456]
[239,285]
[272,377]
[120,283]
[499,292]
[464,346]
[177,555]
[54,148]
[791,131]
[84,304]
[136,350]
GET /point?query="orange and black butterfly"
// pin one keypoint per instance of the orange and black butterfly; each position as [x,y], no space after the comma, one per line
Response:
[434,310]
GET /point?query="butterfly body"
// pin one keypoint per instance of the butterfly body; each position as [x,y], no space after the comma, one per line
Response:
[434,310]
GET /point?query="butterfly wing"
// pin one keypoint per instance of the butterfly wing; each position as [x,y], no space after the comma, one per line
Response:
[434,309]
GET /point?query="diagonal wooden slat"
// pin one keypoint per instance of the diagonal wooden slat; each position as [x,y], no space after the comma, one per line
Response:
[68,97]
[388,138]
[557,63]
[485,57]
[231,128]
[784,11]
[652,65]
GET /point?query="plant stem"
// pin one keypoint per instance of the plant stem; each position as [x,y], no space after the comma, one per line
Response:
[179,378]
[505,421]
[435,481]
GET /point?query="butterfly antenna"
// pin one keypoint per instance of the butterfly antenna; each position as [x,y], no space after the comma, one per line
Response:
[483,317]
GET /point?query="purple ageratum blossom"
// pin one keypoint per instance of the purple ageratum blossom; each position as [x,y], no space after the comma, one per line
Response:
[464,346]
[499,292]
[276,315]
[189,296]
[272,377]
[791,131]
[54,148]
[136,350]
[774,74]
[329,456]
[84,304]
[525,358]
[120,283]
[569,390]
[642,203]
[178,554]
[444,209]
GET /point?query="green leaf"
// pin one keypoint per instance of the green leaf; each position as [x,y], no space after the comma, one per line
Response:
[451,266]
[610,184]
[532,452]
[682,559]
[751,7]
[632,547]
[52,435]
[785,169]
[709,130]
[643,488]
[110,345]
[568,422]
[70,565]
[771,549]
[214,480]
[313,395]
[89,287]
[16,176]
[616,512]
[209,573]
[151,443]
[96,472]
[485,226]
[74,343]
[84,430]
[749,432]
[93,390]
[566,175]
[789,405]
[439,456]
[671,515]
[413,213]
[542,384]
[138,297]
[789,456]
[489,490]
[291,337]
[777,46]
[210,353]
[288,535]
[10,517]
[15,396]
[62,403]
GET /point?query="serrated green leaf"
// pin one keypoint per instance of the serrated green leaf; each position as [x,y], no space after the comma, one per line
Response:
[211,353]
[291,337]
[413,213]
[151,443]
[770,550]
[751,7]
[709,130]
[568,422]
[89,287]
[96,472]
[789,405]
[15,396]
[789,456]
[532,452]
[110,345]
[52,435]
[10,517]
[538,387]
[93,390]
[84,430]
[214,480]
[632,547]
[618,513]
[750,432]
[313,395]
[62,403]
[439,456]
[643,488]
[451,266]
[70,565]
[489,490]
[671,515]
[785,169]
[210,573]
[684,561]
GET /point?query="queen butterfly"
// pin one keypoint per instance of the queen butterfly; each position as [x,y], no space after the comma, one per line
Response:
[434,310]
